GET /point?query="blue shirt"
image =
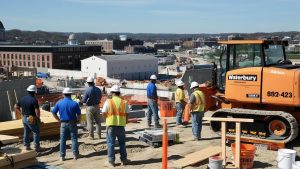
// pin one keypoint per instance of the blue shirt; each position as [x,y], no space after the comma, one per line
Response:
[28,104]
[151,91]
[68,109]
[92,96]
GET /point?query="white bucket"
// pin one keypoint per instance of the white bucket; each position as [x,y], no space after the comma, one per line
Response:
[215,162]
[286,158]
[296,165]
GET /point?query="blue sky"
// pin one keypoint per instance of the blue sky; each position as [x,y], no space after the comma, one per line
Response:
[151,16]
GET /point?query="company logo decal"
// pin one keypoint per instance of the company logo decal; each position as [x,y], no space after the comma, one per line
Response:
[243,77]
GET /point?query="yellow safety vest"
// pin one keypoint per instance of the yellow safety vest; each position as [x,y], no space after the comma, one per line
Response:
[116,115]
[179,95]
[198,105]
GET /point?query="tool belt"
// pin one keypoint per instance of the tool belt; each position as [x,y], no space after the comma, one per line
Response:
[33,120]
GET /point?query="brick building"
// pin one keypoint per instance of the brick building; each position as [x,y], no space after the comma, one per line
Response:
[107,45]
[53,57]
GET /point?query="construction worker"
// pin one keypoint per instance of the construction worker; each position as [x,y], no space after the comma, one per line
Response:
[197,103]
[29,107]
[180,103]
[92,97]
[152,103]
[115,111]
[69,116]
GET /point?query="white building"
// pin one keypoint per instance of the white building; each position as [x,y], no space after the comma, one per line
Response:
[129,67]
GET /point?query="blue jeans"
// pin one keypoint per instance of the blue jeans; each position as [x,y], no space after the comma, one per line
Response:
[65,130]
[152,110]
[112,133]
[35,129]
[179,110]
[197,124]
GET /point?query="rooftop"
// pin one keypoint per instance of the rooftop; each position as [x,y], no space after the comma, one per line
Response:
[126,57]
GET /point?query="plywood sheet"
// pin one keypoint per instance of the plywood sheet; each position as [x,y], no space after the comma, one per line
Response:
[5,139]
[198,156]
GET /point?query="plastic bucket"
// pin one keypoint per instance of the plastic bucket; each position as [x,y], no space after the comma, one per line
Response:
[296,165]
[286,158]
[215,162]
[247,155]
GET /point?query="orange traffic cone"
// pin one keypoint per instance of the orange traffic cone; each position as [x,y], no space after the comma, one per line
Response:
[186,114]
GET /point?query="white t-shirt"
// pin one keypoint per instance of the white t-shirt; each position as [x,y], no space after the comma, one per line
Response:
[106,106]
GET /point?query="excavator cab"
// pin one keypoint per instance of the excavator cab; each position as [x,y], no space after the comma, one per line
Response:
[237,54]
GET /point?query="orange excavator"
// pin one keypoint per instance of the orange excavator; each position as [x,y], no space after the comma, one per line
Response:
[256,80]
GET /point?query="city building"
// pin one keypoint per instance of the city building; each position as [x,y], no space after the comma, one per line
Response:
[164,46]
[119,44]
[131,49]
[129,67]
[53,57]
[2,32]
[107,45]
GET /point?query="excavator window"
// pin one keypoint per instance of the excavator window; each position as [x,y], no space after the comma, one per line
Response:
[274,54]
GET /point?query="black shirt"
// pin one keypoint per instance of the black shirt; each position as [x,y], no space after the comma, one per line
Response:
[28,104]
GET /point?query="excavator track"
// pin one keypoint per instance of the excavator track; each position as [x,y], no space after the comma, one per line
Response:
[264,120]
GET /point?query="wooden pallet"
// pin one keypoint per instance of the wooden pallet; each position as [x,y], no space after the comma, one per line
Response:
[155,144]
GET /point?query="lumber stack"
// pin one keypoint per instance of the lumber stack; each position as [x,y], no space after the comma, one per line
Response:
[16,158]
[49,126]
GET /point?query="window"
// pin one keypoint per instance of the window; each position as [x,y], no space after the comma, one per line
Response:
[28,64]
[274,54]
[248,56]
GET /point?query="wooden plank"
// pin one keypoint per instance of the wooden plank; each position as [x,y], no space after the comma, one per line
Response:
[17,157]
[198,156]
[237,144]
[21,164]
[223,142]
[228,119]
[5,139]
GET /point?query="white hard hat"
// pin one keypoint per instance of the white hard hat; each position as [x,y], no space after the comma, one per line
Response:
[153,77]
[180,83]
[115,88]
[90,79]
[67,91]
[194,84]
[31,88]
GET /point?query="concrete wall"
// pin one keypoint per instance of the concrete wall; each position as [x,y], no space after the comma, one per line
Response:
[76,74]
[7,94]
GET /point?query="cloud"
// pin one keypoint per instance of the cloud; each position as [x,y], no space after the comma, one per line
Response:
[113,2]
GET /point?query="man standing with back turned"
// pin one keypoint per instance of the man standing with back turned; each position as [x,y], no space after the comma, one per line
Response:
[115,111]
[152,103]
[69,116]
[29,107]
[92,97]
[197,103]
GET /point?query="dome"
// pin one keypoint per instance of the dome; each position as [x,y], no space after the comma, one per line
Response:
[1,25]
[72,36]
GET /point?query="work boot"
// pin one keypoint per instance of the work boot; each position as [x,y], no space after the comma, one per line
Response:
[109,164]
[148,125]
[125,162]
[27,148]
[62,159]
[75,157]
[156,126]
